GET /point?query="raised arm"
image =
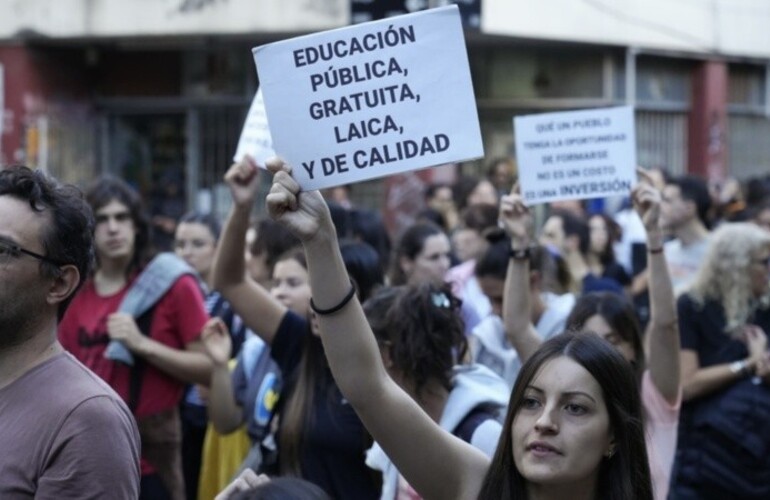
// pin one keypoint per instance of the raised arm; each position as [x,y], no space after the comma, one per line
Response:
[517,222]
[662,336]
[259,310]
[421,451]
[224,412]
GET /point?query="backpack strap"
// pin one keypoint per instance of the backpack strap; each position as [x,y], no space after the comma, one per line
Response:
[473,420]
[148,288]
[153,283]
[144,323]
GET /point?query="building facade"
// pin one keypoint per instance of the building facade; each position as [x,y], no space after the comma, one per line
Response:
[157,90]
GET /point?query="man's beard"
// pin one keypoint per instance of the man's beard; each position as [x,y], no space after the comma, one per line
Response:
[15,328]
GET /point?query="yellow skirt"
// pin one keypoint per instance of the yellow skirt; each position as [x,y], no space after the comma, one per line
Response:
[222,457]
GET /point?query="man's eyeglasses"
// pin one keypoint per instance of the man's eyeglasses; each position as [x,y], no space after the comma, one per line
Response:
[11,251]
[765,262]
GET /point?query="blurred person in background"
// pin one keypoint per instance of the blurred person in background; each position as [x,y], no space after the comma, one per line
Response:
[724,318]
[319,436]
[270,241]
[471,240]
[441,208]
[728,203]
[422,255]
[469,191]
[488,341]
[501,172]
[421,339]
[683,216]
[568,235]
[164,348]
[195,241]
[603,234]
[368,227]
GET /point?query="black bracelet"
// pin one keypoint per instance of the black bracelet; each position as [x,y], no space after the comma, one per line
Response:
[520,253]
[332,310]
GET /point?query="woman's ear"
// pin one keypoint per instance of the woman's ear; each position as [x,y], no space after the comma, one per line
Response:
[611,447]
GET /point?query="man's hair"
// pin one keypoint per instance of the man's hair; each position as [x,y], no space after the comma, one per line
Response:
[694,189]
[432,188]
[272,240]
[208,220]
[480,218]
[68,239]
[422,329]
[109,188]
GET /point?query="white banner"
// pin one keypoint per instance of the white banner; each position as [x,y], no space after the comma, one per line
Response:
[255,139]
[371,100]
[576,155]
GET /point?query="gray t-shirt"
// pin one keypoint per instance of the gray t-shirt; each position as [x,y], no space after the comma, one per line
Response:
[64,434]
[684,262]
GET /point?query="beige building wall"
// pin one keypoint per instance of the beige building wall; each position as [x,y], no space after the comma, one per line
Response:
[726,27]
[117,18]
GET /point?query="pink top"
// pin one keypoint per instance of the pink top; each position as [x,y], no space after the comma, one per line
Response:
[459,275]
[405,491]
[661,426]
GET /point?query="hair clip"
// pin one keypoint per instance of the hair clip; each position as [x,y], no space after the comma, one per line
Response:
[441,300]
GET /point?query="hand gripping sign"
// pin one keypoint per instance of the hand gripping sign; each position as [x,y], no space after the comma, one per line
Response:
[371,100]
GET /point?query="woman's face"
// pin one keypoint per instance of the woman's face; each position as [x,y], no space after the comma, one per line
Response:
[195,243]
[598,325]
[468,244]
[561,431]
[598,233]
[291,286]
[483,193]
[431,264]
[553,235]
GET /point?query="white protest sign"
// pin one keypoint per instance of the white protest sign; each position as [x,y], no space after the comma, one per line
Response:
[255,138]
[371,100]
[576,154]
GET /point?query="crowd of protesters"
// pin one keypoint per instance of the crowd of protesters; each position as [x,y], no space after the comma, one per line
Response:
[489,350]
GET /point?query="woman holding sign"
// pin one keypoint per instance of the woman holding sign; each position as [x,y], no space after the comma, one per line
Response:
[320,438]
[612,317]
[573,428]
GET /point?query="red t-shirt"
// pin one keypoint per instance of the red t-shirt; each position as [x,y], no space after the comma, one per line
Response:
[178,320]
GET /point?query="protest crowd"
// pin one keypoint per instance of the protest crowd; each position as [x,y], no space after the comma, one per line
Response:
[467,309]
[578,349]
